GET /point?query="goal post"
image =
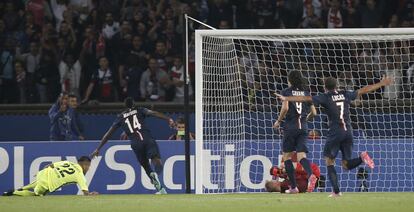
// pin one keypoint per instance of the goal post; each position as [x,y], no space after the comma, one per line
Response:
[238,71]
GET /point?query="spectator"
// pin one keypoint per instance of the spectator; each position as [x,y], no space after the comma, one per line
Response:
[133,78]
[81,8]
[119,42]
[394,22]
[47,78]
[63,127]
[57,26]
[11,17]
[58,7]
[130,68]
[138,51]
[171,38]
[179,135]
[31,35]
[93,19]
[292,12]
[370,15]
[7,81]
[316,6]
[154,82]
[162,55]
[177,76]
[124,35]
[93,48]
[21,80]
[264,11]
[31,60]
[101,86]
[334,17]
[70,73]
[219,10]
[67,33]
[352,12]
[40,10]
[73,104]
[311,20]
[110,27]
[129,11]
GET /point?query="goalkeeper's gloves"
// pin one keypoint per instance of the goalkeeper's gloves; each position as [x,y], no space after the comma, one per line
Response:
[276,171]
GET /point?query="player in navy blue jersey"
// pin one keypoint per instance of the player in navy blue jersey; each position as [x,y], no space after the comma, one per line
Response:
[296,115]
[132,121]
[336,104]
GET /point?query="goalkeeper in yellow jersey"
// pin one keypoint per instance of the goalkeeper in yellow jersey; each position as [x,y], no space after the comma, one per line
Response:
[56,175]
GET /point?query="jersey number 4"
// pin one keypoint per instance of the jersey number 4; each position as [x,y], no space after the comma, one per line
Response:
[135,127]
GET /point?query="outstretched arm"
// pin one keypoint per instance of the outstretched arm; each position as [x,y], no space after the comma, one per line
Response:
[105,139]
[294,98]
[312,113]
[283,112]
[369,88]
[162,116]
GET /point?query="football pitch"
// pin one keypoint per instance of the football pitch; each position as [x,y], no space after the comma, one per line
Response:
[319,202]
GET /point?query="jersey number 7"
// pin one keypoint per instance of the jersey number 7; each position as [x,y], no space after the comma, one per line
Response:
[135,127]
[341,110]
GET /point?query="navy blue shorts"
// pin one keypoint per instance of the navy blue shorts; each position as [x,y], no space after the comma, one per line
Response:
[339,140]
[146,149]
[294,140]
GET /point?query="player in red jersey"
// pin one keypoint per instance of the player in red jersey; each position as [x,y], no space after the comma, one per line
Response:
[280,182]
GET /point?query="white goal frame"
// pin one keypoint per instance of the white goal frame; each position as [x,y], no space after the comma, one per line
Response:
[199,34]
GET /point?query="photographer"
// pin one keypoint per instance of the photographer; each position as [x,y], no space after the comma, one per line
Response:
[179,136]
[62,119]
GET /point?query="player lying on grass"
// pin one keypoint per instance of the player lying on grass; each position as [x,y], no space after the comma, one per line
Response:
[132,121]
[296,115]
[336,104]
[281,182]
[56,175]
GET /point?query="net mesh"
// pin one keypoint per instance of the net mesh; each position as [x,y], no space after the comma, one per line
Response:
[241,73]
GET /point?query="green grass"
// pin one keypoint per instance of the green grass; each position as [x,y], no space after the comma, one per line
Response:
[350,202]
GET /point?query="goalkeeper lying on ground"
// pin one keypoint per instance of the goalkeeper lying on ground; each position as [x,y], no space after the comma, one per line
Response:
[280,182]
[56,175]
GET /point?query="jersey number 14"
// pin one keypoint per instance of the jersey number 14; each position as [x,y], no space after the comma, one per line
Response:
[135,127]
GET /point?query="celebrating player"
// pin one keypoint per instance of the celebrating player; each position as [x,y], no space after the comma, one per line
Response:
[132,120]
[56,175]
[295,130]
[281,182]
[336,104]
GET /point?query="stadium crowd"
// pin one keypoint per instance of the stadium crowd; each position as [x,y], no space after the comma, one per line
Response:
[107,50]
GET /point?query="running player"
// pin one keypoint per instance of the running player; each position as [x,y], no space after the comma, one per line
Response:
[132,121]
[295,130]
[56,175]
[336,104]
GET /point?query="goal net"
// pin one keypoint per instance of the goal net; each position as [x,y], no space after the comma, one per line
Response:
[238,71]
